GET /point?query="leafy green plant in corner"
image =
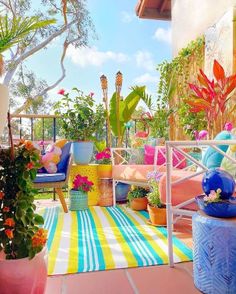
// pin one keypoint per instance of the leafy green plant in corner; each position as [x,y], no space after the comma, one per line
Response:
[81,118]
[137,192]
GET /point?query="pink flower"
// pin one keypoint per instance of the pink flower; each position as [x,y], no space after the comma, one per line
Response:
[228,126]
[91,94]
[81,183]
[61,92]
[104,157]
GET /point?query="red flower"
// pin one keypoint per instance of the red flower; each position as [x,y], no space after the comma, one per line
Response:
[1,195]
[6,209]
[39,239]
[9,233]
[30,165]
[9,222]
[61,92]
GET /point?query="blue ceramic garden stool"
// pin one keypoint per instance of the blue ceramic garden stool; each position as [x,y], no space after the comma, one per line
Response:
[214,254]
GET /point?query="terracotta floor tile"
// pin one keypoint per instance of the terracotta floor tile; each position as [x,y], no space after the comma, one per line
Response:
[106,282]
[163,280]
[54,285]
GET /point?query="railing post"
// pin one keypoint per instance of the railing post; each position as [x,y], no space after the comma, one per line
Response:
[168,202]
[54,129]
[20,127]
[32,128]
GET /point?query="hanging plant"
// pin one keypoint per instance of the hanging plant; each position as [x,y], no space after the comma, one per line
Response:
[173,86]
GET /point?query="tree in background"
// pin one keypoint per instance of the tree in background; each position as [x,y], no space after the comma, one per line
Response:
[73,27]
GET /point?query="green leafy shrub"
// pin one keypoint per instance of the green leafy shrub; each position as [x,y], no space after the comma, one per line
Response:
[81,119]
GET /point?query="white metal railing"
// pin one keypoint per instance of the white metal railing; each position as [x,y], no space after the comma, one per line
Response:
[179,210]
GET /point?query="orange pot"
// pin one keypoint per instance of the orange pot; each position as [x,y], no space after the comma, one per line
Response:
[157,215]
[139,203]
[104,171]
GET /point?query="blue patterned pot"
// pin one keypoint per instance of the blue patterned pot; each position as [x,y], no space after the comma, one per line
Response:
[82,152]
[225,209]
[122,191]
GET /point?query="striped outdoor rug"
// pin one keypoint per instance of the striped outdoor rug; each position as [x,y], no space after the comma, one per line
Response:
[105,238]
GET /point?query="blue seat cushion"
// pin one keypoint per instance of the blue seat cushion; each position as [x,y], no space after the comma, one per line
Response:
[62,165]
[49,178]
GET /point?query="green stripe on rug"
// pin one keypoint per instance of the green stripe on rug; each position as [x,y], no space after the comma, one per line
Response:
[103,238]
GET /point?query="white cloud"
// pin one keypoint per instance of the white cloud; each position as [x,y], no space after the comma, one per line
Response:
[146,78]
[144,60]
[92,56]
[163,35]
[127,17]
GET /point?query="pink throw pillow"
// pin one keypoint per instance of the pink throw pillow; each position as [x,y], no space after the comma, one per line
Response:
[149,151]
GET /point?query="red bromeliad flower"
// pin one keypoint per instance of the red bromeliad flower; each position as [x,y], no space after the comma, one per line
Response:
[212,96]
[61,92]
[82,184]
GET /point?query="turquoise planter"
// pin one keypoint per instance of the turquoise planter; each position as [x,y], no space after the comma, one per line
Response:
[82,152]
[78,200]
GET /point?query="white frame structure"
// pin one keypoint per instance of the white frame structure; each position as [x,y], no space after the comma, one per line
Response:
[179,210]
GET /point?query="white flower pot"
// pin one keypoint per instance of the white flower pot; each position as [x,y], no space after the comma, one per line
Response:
[4,106]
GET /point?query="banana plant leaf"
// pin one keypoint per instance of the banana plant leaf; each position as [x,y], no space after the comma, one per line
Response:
[126,109]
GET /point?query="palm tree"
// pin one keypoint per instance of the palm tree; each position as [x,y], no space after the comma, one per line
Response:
[15,30]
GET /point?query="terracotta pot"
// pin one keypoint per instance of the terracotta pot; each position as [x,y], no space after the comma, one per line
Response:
[4,105]
[21,276]
[104,171]
[139,203]
[157,215]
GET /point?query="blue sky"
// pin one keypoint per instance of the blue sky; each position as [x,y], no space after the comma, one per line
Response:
[126,43]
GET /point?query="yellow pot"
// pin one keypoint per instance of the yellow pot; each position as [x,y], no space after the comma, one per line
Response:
[104,171]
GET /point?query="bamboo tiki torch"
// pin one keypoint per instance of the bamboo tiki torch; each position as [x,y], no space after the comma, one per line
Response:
[104,87]
[118,84]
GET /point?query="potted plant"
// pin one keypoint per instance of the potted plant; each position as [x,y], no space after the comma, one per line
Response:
[79,193]
[137,198]
[23,255]
[82,122]
[103,159]
[156,209]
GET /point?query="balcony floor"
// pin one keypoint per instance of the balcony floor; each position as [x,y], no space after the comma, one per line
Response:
[153,279]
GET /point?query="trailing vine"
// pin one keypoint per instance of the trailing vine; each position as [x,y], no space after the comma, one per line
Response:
[173,86]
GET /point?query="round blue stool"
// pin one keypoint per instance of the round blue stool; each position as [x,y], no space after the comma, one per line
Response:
[214,254]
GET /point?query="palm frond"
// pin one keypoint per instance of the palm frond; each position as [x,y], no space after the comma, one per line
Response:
[12,31]
[147,99]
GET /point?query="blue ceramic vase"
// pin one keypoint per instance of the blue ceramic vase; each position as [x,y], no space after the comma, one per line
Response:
[218,179]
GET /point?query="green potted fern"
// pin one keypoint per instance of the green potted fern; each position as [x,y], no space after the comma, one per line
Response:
[137,198]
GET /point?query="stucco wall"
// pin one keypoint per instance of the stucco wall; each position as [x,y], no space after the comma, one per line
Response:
[190,18]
